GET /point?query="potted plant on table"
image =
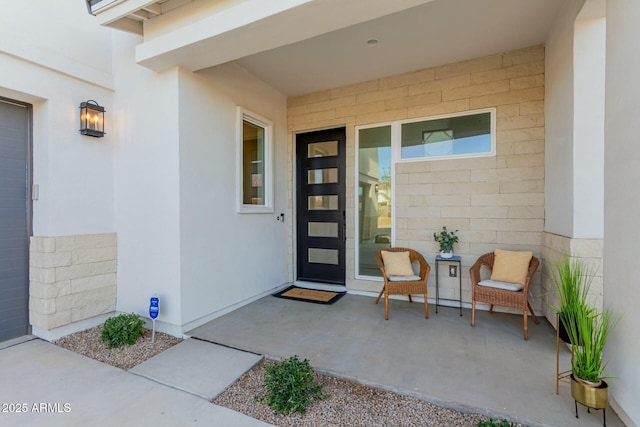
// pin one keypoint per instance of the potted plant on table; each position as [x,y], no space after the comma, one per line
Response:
[446,239]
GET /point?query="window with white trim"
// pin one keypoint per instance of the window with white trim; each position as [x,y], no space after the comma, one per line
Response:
[380,146]
[255,169]
[469,134]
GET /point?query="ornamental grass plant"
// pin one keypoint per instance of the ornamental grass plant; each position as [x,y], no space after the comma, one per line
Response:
[587,328]
[571,282]
[588,331]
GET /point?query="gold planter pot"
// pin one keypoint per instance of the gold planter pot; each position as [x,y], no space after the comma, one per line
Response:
[592,397]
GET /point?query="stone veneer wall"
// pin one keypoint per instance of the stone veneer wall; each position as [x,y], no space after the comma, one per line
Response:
[493,201]
[71,279]
[589,250]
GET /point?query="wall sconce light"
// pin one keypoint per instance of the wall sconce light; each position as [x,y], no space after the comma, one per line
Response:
[91,119]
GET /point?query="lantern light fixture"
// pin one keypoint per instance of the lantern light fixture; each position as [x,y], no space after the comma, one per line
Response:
[92,119]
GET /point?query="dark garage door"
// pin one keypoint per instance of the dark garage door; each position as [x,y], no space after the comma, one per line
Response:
[14,219]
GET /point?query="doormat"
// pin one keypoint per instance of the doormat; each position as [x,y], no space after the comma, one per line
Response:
[310,295]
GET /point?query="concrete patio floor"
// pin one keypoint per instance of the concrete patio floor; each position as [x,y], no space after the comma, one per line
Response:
[488,369]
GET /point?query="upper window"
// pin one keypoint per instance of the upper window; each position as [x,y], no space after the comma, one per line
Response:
[255,163]
[471,134]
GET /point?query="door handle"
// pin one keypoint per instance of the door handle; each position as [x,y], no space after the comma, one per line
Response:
[344,226]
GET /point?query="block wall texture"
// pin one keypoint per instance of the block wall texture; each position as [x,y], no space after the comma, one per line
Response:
[590,251]
[494,202]
[71,278]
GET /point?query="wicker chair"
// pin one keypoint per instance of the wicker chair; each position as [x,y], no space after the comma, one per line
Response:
[502,297]
[404,287]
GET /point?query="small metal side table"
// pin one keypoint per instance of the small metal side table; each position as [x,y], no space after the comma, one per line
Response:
[456,259]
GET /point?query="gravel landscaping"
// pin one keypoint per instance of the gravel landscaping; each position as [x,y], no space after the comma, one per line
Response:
[88,343]
[350,404]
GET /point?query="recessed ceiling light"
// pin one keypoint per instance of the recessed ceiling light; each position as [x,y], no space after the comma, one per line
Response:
[372,42]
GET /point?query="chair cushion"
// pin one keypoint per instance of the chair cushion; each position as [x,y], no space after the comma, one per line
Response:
[511,266]
[397,264]
[403,278]
[501,285]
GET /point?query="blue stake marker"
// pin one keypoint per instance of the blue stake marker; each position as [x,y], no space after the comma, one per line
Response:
[154,310]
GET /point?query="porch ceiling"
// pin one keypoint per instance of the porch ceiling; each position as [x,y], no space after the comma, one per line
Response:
[302,46]
[432,34]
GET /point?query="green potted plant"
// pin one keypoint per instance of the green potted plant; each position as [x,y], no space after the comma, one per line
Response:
[446,239]
[571,281]
[588,331]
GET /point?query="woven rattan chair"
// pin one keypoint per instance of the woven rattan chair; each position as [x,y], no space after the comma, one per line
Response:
[404,287]
[502,297]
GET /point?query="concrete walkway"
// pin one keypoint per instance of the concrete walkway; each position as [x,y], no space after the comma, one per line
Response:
[488,369]
[51,386]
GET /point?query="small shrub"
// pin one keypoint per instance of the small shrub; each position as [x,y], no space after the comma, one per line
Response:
[291,386]
[492,423]
[122,329]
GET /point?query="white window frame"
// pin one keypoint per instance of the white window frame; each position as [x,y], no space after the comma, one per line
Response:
[255,119]
[394,135]
[397,144]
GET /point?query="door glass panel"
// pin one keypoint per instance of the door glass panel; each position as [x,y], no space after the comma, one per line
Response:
[322,176]
[374,196]
[322,149]
[323,256]
[323,229]
[323,203]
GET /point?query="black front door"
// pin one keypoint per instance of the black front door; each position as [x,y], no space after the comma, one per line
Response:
[321,215]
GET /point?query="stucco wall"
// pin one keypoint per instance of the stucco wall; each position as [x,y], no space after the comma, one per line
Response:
[179,235]
[56,67]
[226,257]
[559,108]
[146,186]
[588,151]
[495,201]
[622,205]
[74,173]
[574,105]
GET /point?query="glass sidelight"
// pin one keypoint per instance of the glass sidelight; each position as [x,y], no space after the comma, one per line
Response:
[374,196]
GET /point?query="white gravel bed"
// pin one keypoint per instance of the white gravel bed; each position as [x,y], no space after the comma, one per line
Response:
[88,343]
[350,405]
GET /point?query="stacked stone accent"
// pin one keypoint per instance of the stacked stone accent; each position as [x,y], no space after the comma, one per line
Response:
[72,278]
[590,251]
[495,202]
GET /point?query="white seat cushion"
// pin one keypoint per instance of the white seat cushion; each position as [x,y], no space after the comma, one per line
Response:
[403,278]
[501,285]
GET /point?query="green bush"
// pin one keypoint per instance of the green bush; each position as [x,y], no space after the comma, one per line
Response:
[122,329]
[291,386]
[492,423]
